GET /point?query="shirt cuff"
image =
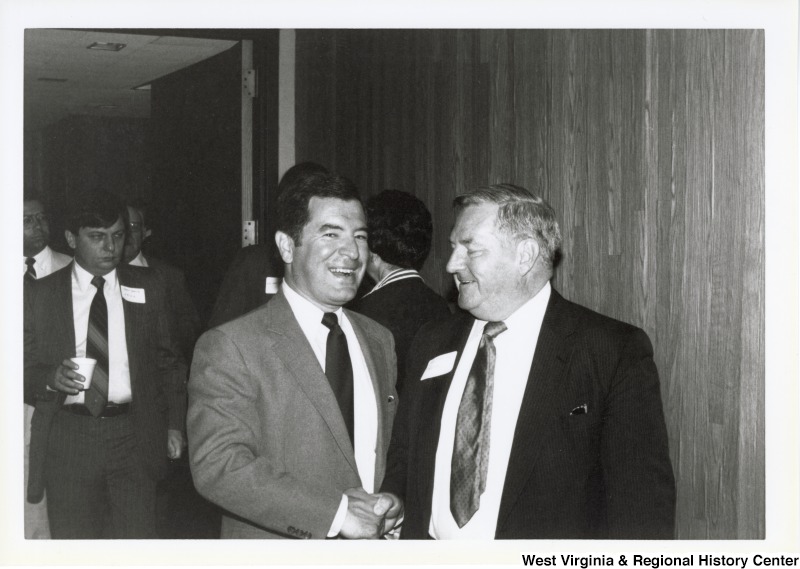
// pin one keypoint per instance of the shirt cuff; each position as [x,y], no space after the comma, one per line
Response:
[338,520]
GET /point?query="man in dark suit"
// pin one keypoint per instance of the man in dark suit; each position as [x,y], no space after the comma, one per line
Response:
[400,231]
[255,274]
[291,405]
[530,416]
[186,323]
[100,450]
[182,512]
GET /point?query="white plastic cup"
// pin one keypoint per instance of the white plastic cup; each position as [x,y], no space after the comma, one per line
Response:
[86,369]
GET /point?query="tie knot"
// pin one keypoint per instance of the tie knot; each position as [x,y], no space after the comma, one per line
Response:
[98,282]
[329,319]
[494,329]
[30,261]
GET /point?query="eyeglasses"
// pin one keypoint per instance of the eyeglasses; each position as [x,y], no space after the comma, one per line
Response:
[29,221]
[135,226]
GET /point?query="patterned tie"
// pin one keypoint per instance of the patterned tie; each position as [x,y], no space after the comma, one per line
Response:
[96,396]
[338,368]
[473,428]
[30,272]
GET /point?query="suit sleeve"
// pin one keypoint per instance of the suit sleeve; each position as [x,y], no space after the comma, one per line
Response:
[37,369]
[639,483]
[227,465]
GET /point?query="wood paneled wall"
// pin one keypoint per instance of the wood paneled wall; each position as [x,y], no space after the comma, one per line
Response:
[650,146]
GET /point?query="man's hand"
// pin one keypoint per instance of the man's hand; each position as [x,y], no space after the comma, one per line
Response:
[66,380]
[391,508]
[175,443]
[361,521]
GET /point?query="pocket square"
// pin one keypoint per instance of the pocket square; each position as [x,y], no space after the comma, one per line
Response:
[580,410]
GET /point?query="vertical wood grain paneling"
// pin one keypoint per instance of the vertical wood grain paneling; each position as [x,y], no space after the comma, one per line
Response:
[650,146]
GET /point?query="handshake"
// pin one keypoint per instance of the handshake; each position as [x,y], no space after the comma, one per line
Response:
[370,516]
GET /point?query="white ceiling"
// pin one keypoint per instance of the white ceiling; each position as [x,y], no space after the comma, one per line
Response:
[101,83]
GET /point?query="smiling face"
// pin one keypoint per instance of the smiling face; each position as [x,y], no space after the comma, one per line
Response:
[98,249]
[487,266]
[328,264]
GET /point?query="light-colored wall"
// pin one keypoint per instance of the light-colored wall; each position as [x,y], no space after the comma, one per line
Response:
[650,146]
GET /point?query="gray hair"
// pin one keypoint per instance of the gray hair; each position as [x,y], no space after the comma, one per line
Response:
[520,215]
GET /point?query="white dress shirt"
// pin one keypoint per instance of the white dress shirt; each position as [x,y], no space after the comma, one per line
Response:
[365,407]
[43,265]
[515,348]
[83,291]
[139,261]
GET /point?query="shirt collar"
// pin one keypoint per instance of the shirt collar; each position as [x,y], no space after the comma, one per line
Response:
[84,277]
[304,310]
[396,275]
[530,315]
[139,261]
[43,257]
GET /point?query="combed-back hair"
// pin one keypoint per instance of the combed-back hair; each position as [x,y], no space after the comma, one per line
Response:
[520,215]
[95,208]
[293,203]
[400,228]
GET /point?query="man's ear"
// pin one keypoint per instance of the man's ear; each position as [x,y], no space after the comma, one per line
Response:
[285,246]
[72,239]
[528,251]
[147,233]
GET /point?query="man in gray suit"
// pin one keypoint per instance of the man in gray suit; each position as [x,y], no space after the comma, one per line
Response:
[291,405]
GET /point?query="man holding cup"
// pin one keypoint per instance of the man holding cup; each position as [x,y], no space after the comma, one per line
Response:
[100,440]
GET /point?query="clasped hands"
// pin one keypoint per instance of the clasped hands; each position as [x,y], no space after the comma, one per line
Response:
[370,516]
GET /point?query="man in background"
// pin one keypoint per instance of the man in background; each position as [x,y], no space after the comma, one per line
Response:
[291,405]
[527,416]
[99,448]
[182,512]
[40,260]
[400,230]
[255,274]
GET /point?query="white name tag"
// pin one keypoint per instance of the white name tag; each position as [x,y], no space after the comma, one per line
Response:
[133,294]
[439,365]
[273,284]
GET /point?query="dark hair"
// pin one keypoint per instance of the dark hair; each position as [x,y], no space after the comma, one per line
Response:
[520,215]
[400,228]
[96,208]
[293,203]
[296,173]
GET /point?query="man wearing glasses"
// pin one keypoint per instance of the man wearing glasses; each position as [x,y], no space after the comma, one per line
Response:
[39,261]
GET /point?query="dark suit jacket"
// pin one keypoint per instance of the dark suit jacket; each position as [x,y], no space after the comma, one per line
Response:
[602,474]
[244,286]
[186,320]
[267,441]
[403,307]
[158,373]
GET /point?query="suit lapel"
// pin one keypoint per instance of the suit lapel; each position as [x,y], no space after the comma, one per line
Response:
[134,324]
[552,351]
[62,310]
[433,393]
[294,350]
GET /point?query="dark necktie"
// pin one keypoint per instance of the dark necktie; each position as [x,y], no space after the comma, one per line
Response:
[473,428]
[96,397]
[30,272]
[338,369]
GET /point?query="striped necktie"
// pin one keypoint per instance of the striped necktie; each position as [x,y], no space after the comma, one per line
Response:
[470,460]
[30,272]
[96,396]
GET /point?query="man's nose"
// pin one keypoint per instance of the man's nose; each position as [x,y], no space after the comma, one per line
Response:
[349,248]
[109,243]
[455,263]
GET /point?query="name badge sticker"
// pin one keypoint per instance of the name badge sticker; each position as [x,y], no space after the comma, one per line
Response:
[439,365]
[272,286]
[133,294]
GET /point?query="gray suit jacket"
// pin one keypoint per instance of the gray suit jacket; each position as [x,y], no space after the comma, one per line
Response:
[267,441]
